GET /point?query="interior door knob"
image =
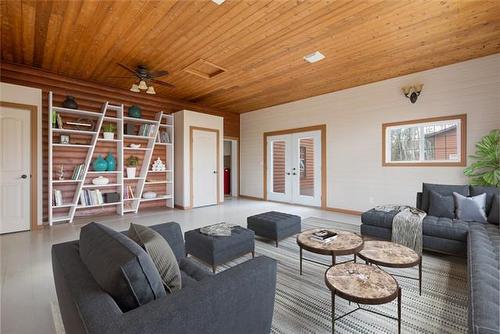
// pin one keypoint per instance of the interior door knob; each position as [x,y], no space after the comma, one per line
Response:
[215,172]
[24,176]
[288,173]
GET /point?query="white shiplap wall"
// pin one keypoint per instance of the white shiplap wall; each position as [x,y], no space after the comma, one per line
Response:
[356,179]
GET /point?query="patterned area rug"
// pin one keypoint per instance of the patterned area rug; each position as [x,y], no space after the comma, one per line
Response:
[303,303]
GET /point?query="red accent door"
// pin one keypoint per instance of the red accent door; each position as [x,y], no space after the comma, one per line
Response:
[227,181]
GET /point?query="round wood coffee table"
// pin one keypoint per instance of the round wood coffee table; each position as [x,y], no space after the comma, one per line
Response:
[362,284]
[393,255]
[346,243]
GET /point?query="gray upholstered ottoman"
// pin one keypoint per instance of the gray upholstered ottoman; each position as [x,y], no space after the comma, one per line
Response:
[274,225]
[215,251]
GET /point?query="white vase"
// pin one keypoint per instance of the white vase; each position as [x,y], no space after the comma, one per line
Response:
[131,172]
[109,135]
[100,181]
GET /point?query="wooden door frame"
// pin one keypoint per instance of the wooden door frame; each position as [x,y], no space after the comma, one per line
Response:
[237,161]
[33,109]
[322,129]
[191,132]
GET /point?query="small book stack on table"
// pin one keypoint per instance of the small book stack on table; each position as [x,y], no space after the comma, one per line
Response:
[324,236]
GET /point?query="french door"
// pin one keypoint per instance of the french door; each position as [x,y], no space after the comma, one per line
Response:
[294,168]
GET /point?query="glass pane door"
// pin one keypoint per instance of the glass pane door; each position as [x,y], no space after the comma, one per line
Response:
[278,174]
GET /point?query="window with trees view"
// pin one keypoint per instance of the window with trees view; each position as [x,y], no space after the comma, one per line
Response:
[436,141]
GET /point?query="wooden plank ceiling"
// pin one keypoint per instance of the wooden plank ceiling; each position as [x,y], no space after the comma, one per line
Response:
[260,43]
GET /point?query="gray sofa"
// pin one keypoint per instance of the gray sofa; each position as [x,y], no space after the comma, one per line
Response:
[238,300]
[479,241]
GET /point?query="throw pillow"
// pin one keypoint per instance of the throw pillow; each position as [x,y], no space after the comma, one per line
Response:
[490,191]
[440,205]
[120,266]
[470,208]
[495,211]
[162,255]
[443,189]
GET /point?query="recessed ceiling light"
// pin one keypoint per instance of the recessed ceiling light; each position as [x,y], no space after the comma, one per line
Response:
[314,57]
[219,2]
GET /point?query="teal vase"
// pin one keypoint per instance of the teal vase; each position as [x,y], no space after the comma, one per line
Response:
[100,165]
[110,159]
[134,111]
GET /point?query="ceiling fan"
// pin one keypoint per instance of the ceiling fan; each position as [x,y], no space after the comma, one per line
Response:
[146,78]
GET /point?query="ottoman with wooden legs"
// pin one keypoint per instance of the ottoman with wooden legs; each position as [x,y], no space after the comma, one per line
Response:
[274,225]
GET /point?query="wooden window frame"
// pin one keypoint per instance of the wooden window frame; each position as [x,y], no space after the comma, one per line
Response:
[463,143]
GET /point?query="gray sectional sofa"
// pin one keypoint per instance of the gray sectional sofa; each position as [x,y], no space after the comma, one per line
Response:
[479,241]
[238,300]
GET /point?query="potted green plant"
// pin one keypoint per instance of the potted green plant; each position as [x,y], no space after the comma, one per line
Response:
[132,162]
[109,131]
[485,171]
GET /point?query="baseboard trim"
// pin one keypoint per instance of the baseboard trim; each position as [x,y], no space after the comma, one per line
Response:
[344,211]
[251,197]
[180,207]
[338,210]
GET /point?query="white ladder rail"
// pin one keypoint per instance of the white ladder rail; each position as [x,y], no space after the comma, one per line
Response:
[147,161]
[49,169]
[90,153]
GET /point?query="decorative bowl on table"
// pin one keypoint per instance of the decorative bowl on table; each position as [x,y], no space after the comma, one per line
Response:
[149,195]
[100,181]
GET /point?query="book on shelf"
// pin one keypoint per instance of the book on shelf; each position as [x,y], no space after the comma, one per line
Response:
[78,172]
[324,236]
[59,121]
[129,193]
[147,130]
[91,197]
[163,137]
[57,201]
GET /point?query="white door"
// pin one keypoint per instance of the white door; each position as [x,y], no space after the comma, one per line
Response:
[205,169]
[294,168]
[14,170]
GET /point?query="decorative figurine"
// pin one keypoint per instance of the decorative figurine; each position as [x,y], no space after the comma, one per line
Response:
[158,166]
[61,173]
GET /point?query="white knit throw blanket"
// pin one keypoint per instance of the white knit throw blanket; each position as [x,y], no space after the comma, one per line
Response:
[406,225]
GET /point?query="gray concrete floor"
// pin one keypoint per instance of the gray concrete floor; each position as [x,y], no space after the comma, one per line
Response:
[27,289]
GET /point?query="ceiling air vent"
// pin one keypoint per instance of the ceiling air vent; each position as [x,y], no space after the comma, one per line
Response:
[314,57]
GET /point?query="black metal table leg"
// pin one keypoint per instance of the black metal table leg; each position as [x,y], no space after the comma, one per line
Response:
[333,260]
[420,275]
[300,260]
[333,312]
[399,310]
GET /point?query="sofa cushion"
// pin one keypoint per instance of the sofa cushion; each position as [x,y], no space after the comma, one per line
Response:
[440,205]
[484,277]
[470,209]
[445,190]
[495,210]
[162,255]
[191,272]
[445,228]
[120,266]
[490,192]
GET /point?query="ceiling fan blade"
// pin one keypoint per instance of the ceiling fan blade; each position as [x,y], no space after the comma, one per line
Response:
[163,83]
[129,76]
[157,74]
[127,68]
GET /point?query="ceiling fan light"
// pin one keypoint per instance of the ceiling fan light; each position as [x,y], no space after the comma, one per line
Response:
[135,88]
[142,85]
[151,90]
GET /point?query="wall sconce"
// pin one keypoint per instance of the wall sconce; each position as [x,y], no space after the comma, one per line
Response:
[412,92]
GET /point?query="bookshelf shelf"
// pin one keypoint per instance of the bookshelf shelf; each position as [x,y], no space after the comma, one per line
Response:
[101,185]
[119,183]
